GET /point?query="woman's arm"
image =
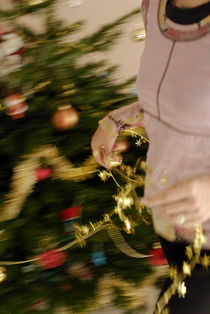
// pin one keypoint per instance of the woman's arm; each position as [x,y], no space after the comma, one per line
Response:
[109,128]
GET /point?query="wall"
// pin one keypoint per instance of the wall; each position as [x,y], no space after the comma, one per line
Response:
[126,53]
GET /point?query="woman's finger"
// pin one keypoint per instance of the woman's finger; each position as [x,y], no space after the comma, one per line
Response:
[189,220]
[175,193]
[175,208]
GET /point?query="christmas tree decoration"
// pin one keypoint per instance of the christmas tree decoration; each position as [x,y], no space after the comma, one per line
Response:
[11,51]
[41,305]
[3,274]
[4,235]
[52,70]
[120,242]
[205,261]
[35,2]
[99,258]
[24,177]
[157,257]
[70,217]
[51,259]
[139,33]
[186,269]
[65,117]
[43,173]
[178,284]
[121,146]
[139,294]
[81,271]
[16,106]
[28,268]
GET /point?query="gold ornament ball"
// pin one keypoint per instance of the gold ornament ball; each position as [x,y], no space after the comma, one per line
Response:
[139,33]
[35,2]
[65,117]
[3,274]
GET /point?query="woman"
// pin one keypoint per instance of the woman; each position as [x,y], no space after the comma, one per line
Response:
[173,87]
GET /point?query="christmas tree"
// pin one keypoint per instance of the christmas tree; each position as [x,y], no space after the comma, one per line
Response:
[51,195]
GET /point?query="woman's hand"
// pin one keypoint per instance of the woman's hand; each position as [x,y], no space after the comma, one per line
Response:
[102,146]
[186,203]
[109,127]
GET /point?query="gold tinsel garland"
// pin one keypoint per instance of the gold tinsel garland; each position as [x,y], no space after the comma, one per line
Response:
[136,293]
[24,177]
[23,183]
[193,253]
[24,180]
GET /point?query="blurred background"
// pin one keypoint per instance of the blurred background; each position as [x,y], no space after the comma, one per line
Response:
[73,237]
[127,51]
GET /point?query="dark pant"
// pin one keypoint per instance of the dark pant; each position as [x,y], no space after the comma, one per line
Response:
[197,299]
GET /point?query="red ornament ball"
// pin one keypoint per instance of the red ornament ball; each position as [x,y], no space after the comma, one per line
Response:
[71,212]
[15,106]
[157,258]
[65,117]
[51,259]
[42,173]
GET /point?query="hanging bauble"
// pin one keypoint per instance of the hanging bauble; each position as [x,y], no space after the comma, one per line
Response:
[15,106]
[43,173]
[139,33]
[70,216]
[99,258]
[11,51]
[157,257]
[65,117]
[3,274]
[121,146]
[51,259]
